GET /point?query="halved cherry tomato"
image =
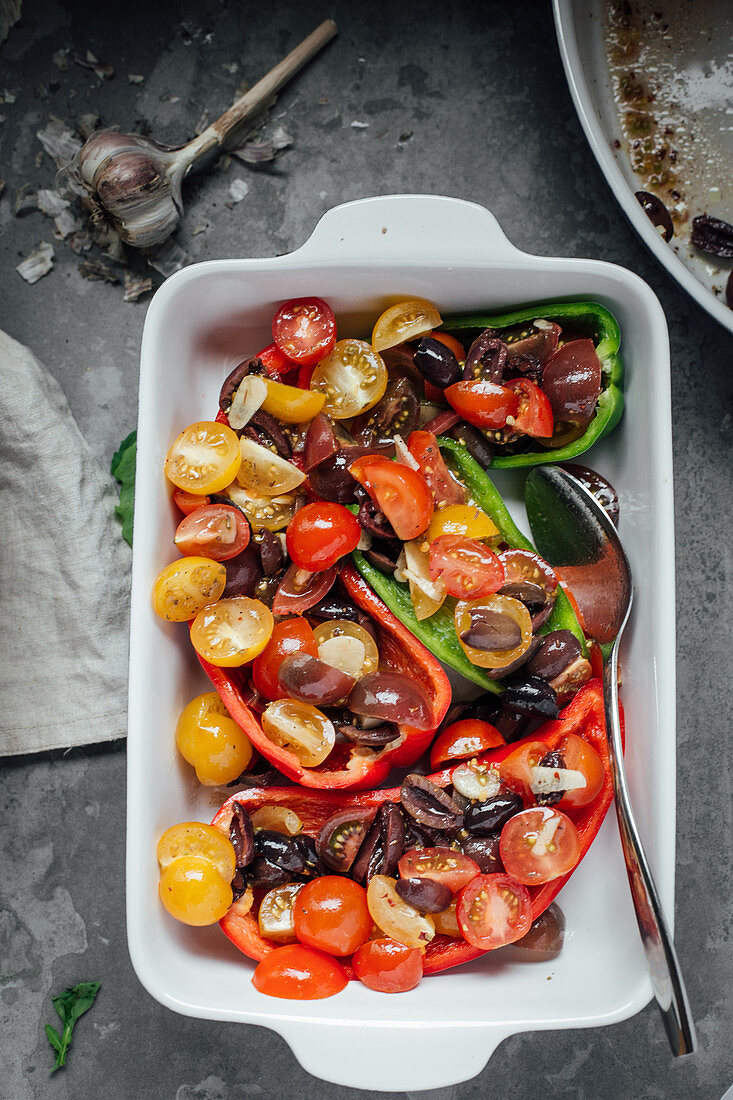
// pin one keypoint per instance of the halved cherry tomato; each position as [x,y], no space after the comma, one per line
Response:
[482,622]
[232,632]
[450,342]
[300,728]
[395,917]
[321,533]
[188,502]
[264,473]
[461,519]
[539,845]
[534,416]
[299,590]
[331,914]
[515,770]
[204,458]
[580,756]
[216,531]
[404,321]
[388,966]
[539,340]
[304,330]
[443,865]
[353,379]
[402,494]
[299,973]
[483,404]
[288,636]
[193,838]
[463,739]
[185,587]
[467,568]
[423,446]
[290,404]
[494,910]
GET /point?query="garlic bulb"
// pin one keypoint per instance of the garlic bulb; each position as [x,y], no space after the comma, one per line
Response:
[135,183]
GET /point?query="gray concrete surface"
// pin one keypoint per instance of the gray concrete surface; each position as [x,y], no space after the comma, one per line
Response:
[480,88]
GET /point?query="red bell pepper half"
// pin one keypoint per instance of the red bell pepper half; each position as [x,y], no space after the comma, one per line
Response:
[351,767]
[584,717]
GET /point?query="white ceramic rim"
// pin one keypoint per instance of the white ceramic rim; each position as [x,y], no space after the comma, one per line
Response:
[344,232]
[598,140]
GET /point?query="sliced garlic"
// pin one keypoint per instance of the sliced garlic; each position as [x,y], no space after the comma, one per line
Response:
[403,454]
[248,398]
[476,781]
[553,780]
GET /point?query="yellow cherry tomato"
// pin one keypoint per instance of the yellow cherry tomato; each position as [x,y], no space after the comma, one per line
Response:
[232,632]
[405,321]
[204,458]
[290,404]
[478,620]
[265,473]
[276,917]
[461,519]
[347,646]
[186,586]
[274,513]
[193,838]
[193,891]
[301,729]
[209,739]
[353,379]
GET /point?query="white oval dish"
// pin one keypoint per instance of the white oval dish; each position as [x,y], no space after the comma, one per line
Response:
[579,27]
[361,257]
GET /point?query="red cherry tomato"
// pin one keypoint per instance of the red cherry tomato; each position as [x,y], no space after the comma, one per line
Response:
[304,330]
[464,739]
[539,845]
[188,502]
[299,973]
[275,363]
[515,770]
[402,494]
[467,568]
[423,446]
[388,966]
[483,404]
[534,416]
[331,914]
[289,636]
[493,910]
[582,757]
[216,531]
[321,533]
[443,865]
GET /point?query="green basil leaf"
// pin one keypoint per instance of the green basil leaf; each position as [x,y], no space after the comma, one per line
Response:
[69,1005]
[122,469]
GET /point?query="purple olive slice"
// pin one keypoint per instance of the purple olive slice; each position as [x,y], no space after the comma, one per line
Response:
[424,894]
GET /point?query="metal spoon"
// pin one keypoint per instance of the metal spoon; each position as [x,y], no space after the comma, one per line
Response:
[572,530]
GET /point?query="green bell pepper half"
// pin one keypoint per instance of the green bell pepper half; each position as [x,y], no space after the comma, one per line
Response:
[596,322]
[438,633]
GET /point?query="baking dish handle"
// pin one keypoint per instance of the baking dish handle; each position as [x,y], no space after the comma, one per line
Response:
[393,1058]
[412,227]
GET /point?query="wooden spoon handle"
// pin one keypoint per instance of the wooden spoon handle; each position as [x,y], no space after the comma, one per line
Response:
[253,101]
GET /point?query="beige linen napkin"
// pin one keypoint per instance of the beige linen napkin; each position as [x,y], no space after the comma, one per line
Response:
[64,572]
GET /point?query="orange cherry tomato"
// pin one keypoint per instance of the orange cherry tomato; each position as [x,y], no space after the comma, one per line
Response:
[463,739]
[443,865]
[423,446]
[299,973]
[467,568]
[483,404]
[304,329]
[582,757]
[534,416]
[321,533]
[188,502]
[402,494]
[494,910]
[216,531]
[539,845]
[388,966]
[331,914]
[288,636]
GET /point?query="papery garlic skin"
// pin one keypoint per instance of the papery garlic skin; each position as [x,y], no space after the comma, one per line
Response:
[136,182]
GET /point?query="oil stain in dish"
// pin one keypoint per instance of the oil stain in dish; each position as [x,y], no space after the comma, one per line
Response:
[671,66]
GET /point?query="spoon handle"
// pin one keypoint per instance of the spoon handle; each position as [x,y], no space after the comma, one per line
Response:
[667,980]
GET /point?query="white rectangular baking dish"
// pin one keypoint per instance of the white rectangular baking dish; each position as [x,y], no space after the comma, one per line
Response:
[361,257]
